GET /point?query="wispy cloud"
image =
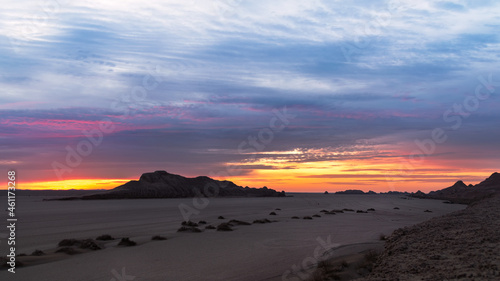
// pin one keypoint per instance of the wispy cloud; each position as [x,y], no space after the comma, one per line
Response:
[221,67]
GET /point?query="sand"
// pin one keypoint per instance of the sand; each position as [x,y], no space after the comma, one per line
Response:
[274,251]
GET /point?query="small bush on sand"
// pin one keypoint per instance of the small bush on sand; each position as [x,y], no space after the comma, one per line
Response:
[67,250]
[295,218]
[188,229]
[238,222]
[38,253]
[307,218]
[126,242]
[105,237]
[89,244]
[210,227]
[262,221]
[221,218]
[158,238]
[68,242]
[224,227]
[316,216]
[189,223]
[272,214]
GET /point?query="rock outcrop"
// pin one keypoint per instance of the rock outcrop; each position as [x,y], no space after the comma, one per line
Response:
[462,193]
[462,245]
[161,184]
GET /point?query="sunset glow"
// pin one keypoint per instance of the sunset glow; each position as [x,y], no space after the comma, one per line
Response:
[305,96]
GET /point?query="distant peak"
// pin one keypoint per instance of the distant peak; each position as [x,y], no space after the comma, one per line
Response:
[161,172]
[459,183]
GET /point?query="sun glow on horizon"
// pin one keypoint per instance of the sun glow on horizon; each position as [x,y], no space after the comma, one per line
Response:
[73,184]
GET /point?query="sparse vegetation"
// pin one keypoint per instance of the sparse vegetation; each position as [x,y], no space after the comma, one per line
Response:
[105,237]
[126,242]
[210,227]
[224,227]
[188,229]
[238,222]
[158,238]
[295,218]
[67,250]
[272,214]
[307,218]
[189,223]
[84,244]
[262,221]
[38,253]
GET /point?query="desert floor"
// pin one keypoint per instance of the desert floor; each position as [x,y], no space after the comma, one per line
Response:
[282,250]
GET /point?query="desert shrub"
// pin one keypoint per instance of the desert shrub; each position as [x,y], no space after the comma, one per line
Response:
[262,221]
[295,218]
[272,214]
[210,227]
[189,223]
[307,218]
[67,250]
[38,253]
[238,222]
[158,238]
[105,237]
[224,227]
[68,242]
[126,242]
[317,216]
[89,244]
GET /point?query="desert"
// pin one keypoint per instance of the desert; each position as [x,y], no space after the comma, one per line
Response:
[284,249]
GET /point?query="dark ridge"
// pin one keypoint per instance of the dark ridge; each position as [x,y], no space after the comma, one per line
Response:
[161,184]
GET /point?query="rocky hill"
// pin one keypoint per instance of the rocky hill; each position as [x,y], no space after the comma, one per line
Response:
[462,245]
[161,184]
[462,193]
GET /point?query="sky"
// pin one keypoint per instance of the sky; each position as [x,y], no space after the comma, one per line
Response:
[292,95]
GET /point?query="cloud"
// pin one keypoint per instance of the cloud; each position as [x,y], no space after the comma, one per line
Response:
[181,78]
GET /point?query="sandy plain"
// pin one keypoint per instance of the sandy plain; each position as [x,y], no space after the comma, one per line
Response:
[282,250]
